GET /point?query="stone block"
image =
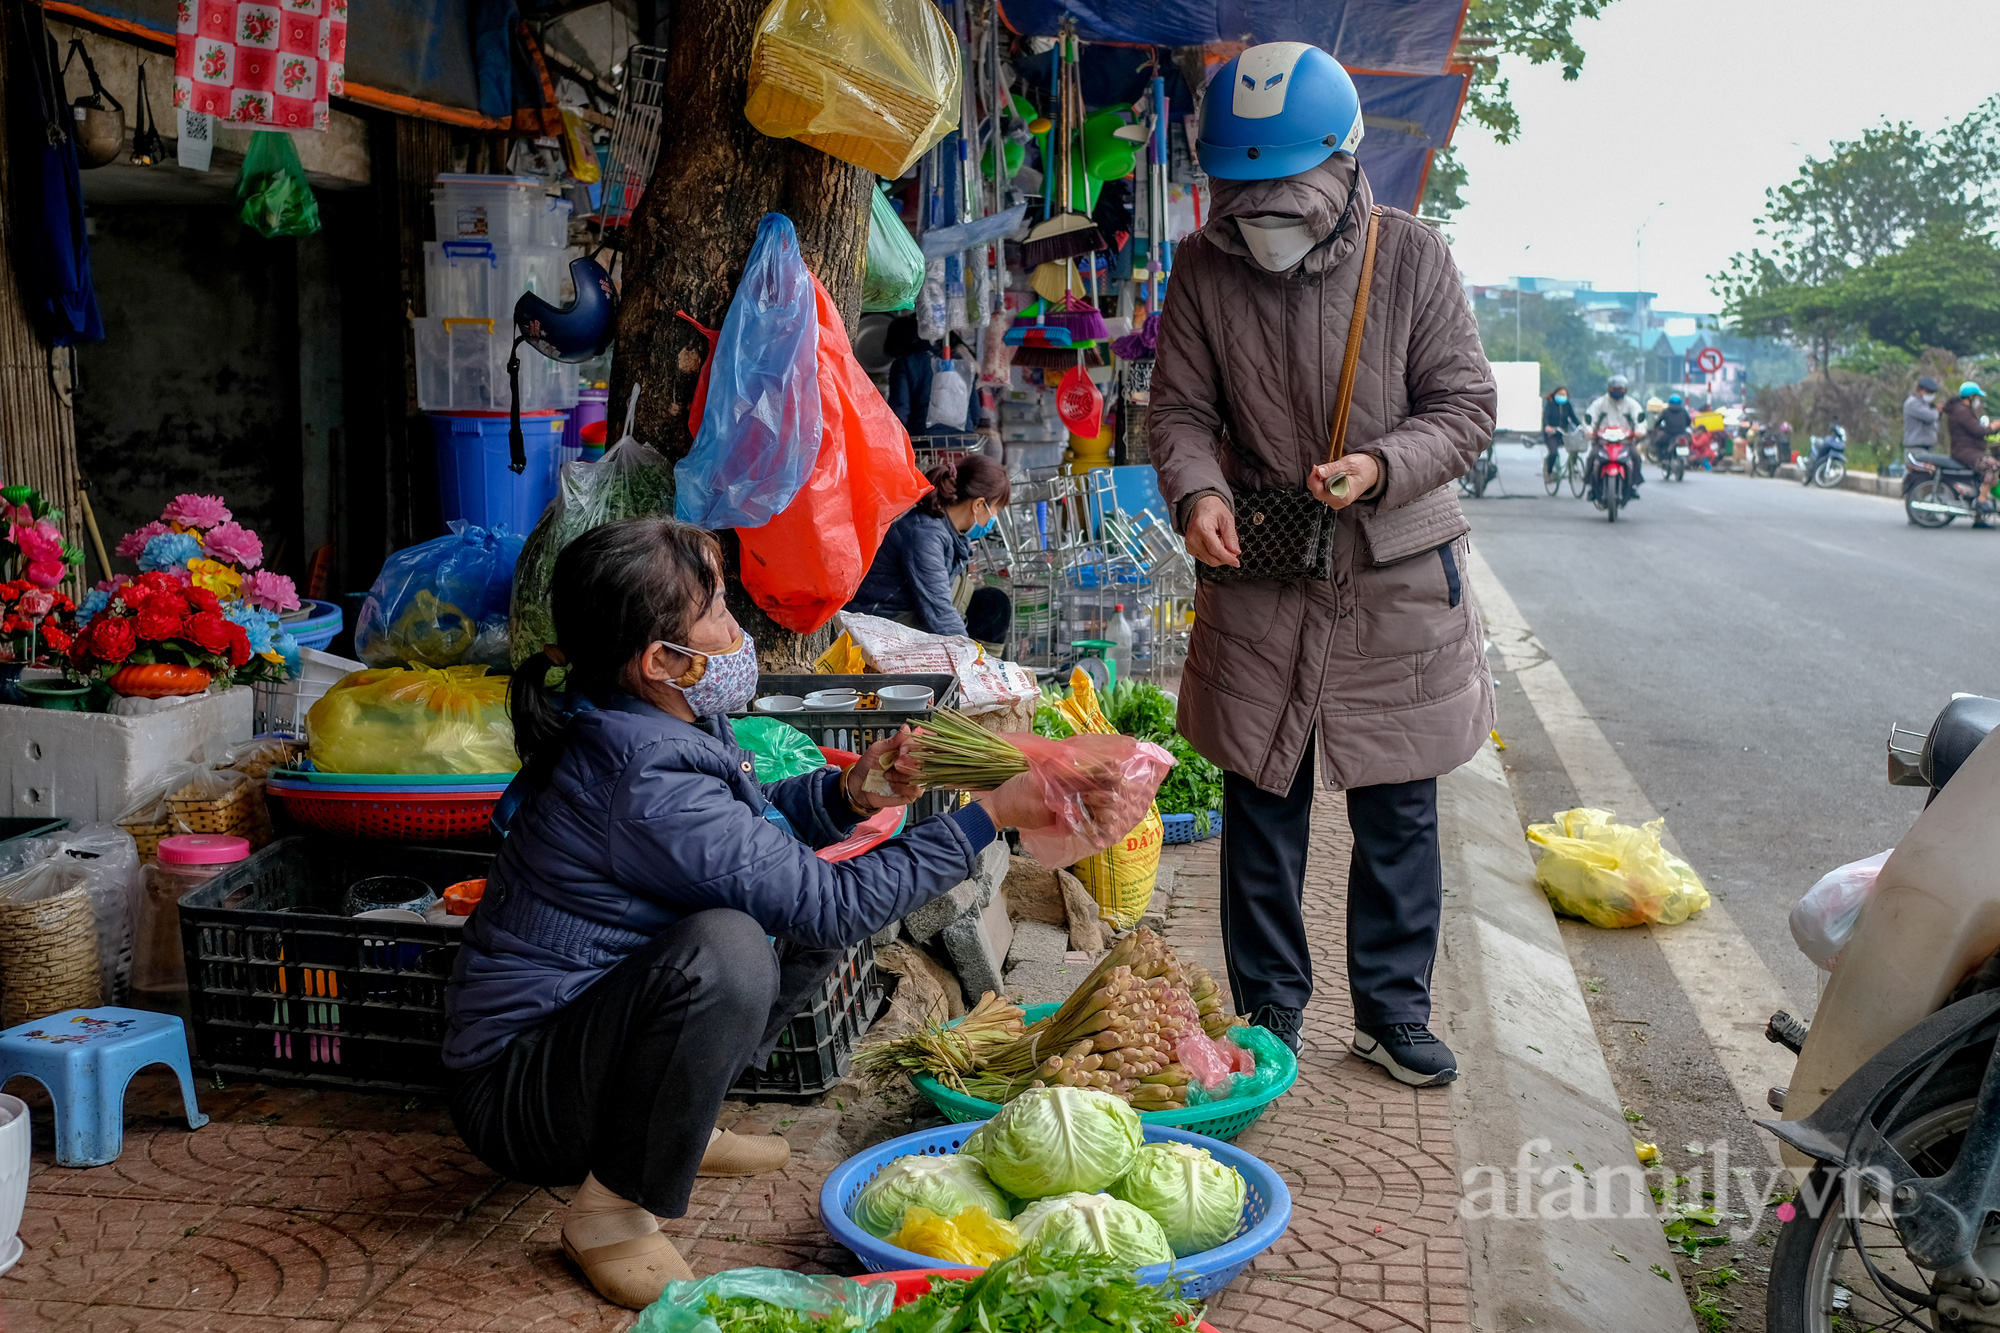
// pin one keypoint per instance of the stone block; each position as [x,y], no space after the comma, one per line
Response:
[978,943]
[967,896]
[1080,915]
[1041,968]
[1034,893]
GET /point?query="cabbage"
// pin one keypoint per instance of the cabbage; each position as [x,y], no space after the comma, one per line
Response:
[1094,1224]
[1196,1200]
[946,1185]
[1057,1141]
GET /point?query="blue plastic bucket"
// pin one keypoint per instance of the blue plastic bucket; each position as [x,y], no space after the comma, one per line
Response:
[320,628]
[474,480]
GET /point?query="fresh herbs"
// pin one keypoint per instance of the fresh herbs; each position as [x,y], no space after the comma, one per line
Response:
[745,1314]
[1047,1293]
[1193,786]
[1049,721]
[951,750]
[1143,710]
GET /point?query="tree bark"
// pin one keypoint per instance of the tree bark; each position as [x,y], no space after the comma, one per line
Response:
[690,236]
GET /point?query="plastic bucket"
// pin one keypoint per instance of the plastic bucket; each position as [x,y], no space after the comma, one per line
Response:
[320,628]
[474,480]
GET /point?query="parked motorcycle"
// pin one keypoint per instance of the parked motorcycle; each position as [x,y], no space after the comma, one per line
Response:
[1484,472]
[1893,1112]
[1768,449]
[1827,464]
[1611,458]
[1937,488]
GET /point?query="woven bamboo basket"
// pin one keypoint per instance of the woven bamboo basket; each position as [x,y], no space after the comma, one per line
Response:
[147,834]
[48,957]
[240,812]
[793,84]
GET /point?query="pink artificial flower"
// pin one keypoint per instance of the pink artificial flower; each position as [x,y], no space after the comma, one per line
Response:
[133,543]
[17,514]
[271,592]
[36,602]
[45,573]
[234,544]
[196,511]
[39,542]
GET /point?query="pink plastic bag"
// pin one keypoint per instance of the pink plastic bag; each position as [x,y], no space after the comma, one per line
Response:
[1129,771]
[1211,1061]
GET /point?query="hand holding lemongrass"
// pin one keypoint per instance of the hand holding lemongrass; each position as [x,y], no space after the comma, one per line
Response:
[883,777]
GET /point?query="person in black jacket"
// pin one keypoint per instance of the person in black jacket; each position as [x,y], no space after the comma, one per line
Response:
[926,550]
[1558,415]
[1674,422]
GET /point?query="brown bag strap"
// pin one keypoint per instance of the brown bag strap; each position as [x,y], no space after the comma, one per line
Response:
[1344,397]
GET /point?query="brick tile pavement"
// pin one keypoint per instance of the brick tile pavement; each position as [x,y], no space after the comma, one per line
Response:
[314,1211]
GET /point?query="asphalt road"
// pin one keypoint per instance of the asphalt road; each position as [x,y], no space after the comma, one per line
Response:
[1745,644]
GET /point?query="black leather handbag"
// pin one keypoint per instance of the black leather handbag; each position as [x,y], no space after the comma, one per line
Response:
[1284,531]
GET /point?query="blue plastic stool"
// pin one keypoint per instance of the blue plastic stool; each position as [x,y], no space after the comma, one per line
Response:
[85,1058]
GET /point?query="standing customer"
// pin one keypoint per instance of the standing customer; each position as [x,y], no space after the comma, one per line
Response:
[1920,418]
[1378,669]
[925,551]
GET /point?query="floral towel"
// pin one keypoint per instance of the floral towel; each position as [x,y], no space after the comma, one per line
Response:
[272,63]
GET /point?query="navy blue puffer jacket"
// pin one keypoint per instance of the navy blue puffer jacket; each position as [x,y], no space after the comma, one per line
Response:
[647,819]
[921,558]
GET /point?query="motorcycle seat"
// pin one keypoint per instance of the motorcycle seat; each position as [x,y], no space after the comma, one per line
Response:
[1937,460]
[1960,727]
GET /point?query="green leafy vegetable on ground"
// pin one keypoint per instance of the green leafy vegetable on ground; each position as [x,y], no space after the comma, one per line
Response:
[1041,1293]
[1048,722]
[742,1314]
[1193,785]
[1141,709]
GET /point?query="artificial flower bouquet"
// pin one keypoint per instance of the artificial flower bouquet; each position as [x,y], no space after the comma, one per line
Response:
[34,616]
[200,604]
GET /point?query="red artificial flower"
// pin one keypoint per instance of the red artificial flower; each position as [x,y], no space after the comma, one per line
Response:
[203,600]
[210,632]
[160,618]
[239,644]
[54,637]
[111,638]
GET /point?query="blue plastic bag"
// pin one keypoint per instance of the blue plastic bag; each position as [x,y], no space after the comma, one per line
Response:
[760,428]
[442,603]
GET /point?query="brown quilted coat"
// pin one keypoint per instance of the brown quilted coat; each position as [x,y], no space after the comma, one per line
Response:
[1386,659]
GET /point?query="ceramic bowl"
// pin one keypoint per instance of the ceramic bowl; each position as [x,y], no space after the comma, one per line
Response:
[832,701]
[780,703]
[906,698]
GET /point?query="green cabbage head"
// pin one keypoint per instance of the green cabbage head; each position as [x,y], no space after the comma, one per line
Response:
[946,1185]
[1057,1141]
[1094,1224]
[1196,1200]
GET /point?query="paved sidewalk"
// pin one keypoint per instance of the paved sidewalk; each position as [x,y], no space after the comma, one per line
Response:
[303,1211]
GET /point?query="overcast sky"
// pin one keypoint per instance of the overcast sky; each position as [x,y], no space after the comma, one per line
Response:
[1705,104]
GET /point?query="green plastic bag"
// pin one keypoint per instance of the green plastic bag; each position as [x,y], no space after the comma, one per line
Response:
[779,749]
[895,262]
[681,1307]
[273,197]
[1269,1052]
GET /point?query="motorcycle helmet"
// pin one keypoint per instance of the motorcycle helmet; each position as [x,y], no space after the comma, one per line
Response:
[98,129]
[1971,389]
[574,332]
[1276,110]
[1673,398]
[1927,384]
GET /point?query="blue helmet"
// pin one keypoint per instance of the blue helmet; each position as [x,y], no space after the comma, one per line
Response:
[577,331]
[1277,110]
[1971,389]
[1673,398]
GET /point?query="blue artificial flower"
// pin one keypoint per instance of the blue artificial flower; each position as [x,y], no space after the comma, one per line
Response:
[94,602]
[288,648]
[258,625]
[169,550]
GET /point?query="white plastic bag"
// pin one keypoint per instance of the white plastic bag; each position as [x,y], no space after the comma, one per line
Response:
[1823,920]
[105,861]
[951,396]
[985,684]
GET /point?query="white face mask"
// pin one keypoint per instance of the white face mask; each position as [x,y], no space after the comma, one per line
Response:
[1278,241]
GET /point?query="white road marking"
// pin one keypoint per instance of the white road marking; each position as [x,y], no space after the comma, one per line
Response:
[1728,986]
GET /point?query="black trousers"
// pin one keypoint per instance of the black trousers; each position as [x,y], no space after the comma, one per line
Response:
[626,1080]
[1395,894]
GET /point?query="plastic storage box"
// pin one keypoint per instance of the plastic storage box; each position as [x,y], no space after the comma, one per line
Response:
[480,280]
[506,209]
[475,481]
[462,367]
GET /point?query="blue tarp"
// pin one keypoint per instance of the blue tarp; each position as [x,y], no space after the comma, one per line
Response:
[1404,36]
[1406,118]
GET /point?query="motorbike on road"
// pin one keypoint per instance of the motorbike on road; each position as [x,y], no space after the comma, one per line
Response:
[1892,1117]
[1674,455]
[1827,465]
[1612,454]
[1937,488]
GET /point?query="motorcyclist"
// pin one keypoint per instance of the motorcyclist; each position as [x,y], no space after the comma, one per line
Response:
[1920,415]
[1615,402]
[1558,415]
[1674,422]
[1966,416]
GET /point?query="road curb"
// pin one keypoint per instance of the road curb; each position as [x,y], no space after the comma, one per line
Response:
[1559,1235]
[1868,483]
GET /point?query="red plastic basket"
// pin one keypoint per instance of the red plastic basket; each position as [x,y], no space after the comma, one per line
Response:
[414,818]
[915,1283]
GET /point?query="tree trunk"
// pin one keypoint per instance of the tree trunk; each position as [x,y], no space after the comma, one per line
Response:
[691,234]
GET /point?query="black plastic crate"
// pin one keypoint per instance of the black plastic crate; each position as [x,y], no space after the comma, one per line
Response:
[815,1052]
[29,826]
[316,996]
[856,729]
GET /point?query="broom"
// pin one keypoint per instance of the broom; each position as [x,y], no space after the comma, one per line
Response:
[1069,233]
[1057,358]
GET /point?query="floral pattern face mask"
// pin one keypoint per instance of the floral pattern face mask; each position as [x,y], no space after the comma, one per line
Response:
[725,681]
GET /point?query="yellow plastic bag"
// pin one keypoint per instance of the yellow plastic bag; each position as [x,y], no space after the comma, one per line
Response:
[973,1236]
[872,82]
[1614,875]
[391,720]
[842,659]
[1120,879]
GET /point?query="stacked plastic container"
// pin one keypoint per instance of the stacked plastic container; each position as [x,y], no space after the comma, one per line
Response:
[498,237]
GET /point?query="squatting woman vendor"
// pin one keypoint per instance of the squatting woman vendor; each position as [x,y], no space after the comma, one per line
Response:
[617,977]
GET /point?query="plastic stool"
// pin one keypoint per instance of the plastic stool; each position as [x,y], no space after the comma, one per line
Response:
[85,1058]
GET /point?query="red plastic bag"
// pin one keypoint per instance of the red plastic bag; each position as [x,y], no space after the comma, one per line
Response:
[1067,770]
[806,563]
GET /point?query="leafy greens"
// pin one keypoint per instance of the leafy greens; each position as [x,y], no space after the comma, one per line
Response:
[1044,1293]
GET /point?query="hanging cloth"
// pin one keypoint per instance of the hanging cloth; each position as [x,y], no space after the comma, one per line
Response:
[268,65]
[51,253]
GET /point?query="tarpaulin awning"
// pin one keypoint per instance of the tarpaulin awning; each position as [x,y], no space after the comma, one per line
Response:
[1405,119]
[1399,36]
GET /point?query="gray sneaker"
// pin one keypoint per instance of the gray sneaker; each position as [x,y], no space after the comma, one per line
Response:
[1409,1052]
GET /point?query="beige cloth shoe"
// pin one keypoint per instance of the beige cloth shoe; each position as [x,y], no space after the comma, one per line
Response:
[740,1155]
[619,1248]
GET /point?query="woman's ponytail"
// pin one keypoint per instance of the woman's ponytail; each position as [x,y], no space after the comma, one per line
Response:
[944,489]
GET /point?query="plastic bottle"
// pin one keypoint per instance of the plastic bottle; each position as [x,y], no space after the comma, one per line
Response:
[1142,644]
[1119,630]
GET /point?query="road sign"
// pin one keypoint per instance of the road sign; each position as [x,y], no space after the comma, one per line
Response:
[1708,360]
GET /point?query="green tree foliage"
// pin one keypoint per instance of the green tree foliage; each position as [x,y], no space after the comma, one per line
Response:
[1442,186]
[1859,238]
[1553,333]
